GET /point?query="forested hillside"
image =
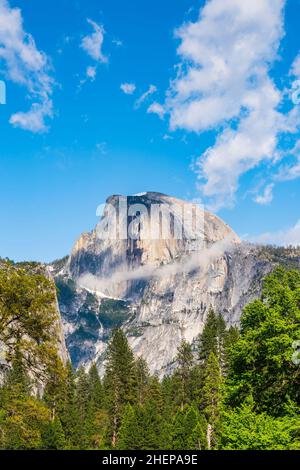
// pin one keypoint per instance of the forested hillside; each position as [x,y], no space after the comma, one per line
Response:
[231,390]
[29,319]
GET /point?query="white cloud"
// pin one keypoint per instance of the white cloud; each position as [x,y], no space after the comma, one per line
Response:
[199,260]
[25,65]
[117,42]
[92,43]
[267,196]
[223,54]
[290,236]
[34,119]
[223,83]
[295,70]
[156,108]
[152,89]
[91,73]
[102,148]
[128,88]
[291,171]
[167,137]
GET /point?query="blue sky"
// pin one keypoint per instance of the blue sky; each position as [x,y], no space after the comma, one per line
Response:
[218,125]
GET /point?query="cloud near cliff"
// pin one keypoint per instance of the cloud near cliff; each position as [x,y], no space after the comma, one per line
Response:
[195,261]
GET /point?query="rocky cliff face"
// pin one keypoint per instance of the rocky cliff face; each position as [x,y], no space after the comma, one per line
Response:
[154,269]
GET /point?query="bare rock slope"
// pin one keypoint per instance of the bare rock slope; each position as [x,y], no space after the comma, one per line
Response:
[156,285]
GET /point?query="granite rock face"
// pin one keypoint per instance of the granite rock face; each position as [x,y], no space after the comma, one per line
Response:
[156,285]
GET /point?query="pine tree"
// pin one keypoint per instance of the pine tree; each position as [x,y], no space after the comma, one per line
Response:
[185,361]
[53,437]
[96,393]
[231,338]
[212,338]
[179,432]
[189,429]
[211,397]
[96,417]
[69,411]
[119,380]
[155,393]
[197,439]
[153,418]
[83,428]
[55,389]
[130,430]
[142,379]
[169,386]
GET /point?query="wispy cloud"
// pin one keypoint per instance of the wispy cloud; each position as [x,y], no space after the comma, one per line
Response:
[92,43]
[156,108]
[196,261]
[267,196]
[102,148]
[34,119]
[152,89]
[290,236]
[117,42]
[167,137]
[25,65]
[295,69]
[128,88]
[91,73]
[288,172]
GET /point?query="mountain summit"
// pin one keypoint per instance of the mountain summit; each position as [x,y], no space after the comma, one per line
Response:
[138,234]
[154,265]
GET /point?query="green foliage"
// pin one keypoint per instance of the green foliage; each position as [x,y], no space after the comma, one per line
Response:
[129,433]
[53,437]
[120,380]
[185,360]
[211,396]
[212,338]
[261,362]
[240,392]
[28,316]
[113,313]
[66,290]
[142,377]
[244,429]
[96,392]
[22,417]
[189,430]
[142,428]
[22,421]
